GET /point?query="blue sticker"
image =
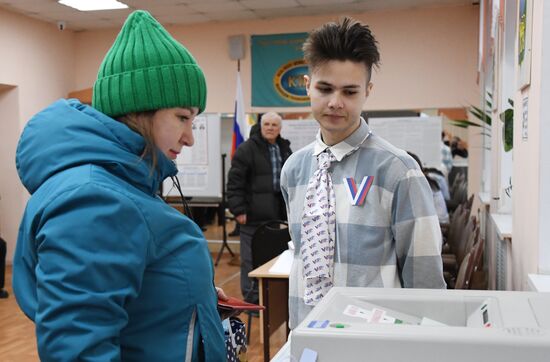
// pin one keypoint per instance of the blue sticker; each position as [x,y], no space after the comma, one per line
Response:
[308,355]
[318,324]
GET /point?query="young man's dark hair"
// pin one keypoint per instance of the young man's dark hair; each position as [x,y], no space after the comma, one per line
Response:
[345,40]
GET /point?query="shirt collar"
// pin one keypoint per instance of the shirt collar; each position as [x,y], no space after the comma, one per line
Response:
[345,147]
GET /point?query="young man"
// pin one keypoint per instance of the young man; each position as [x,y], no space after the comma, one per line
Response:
[361,212]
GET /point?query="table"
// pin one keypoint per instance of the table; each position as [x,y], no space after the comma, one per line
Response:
[273,291]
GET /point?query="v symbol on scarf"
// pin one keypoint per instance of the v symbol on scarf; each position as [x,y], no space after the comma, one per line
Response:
[358,195]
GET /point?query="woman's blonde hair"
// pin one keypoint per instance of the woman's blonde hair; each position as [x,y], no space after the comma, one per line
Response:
[142,123]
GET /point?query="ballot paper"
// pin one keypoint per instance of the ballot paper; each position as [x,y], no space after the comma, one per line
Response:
[371,316]
[374,314]
[283,263]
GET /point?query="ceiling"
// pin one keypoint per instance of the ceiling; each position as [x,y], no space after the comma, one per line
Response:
[171,12]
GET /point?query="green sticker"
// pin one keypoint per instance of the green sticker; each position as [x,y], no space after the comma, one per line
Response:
[338,325]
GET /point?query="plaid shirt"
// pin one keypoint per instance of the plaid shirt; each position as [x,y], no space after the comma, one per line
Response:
[392,240]
[276,161]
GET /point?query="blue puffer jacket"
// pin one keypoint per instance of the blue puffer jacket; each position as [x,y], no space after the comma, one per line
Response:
[106,269]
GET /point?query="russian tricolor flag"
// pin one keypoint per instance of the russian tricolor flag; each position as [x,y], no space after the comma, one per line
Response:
[240,126]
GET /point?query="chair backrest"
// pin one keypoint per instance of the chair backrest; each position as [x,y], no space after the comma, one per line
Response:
[269,240]
[468,239]
[464,273]
[477,264]
[470,261]
[456,212]
[469,202]
[457,235]
[478,254]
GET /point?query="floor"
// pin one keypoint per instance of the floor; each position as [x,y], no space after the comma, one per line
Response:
[17,339]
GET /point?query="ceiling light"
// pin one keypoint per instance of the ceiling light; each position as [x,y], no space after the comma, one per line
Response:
[87,5]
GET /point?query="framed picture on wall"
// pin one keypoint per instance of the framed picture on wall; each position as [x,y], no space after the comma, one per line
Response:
[525,11]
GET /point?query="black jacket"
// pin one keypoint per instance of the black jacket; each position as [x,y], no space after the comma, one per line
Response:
[250,180]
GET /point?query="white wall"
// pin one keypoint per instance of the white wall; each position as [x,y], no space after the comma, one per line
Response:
[37,65]
[10,189]
[429,56]
[544,161]
[529,229]
[475,163]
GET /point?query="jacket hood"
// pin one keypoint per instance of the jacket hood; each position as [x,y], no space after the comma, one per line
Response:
[255,130]
[69,134]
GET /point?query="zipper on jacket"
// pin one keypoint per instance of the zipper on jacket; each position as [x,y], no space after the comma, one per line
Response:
[190,337]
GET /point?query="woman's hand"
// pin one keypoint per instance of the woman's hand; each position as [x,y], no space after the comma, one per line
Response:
[224,314]
[221,294]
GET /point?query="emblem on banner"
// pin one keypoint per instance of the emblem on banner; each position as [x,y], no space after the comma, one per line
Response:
[290,83]
[356,194]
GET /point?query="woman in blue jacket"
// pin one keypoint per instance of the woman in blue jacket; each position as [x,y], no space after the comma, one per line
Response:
[105,268]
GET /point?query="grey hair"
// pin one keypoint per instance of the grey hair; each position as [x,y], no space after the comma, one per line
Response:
[271,115]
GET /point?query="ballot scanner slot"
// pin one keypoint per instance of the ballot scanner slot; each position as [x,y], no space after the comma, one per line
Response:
[455,311]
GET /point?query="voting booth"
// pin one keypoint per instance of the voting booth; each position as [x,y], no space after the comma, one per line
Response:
[382,324]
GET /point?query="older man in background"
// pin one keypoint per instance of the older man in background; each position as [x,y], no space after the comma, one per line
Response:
[254,189]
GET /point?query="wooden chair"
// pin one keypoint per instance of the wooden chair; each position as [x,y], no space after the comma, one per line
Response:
[471,262]
[469,203]
[462,245]
[464,273]
[478,279]
[457,225]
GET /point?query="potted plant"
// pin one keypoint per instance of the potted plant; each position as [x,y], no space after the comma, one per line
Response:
[484,117]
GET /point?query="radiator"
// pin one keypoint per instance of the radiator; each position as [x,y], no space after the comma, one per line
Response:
[502,251]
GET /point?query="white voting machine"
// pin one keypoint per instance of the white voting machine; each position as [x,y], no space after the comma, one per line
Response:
[381,324]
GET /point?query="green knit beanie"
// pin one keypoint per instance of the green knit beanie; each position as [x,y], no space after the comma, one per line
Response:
[147,69]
